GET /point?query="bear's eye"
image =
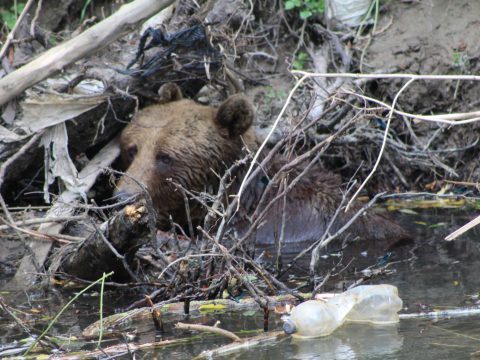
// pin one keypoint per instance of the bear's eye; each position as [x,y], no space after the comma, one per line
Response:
[164,159]
[131,151]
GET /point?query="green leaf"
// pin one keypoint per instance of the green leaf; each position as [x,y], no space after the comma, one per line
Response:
[302,56]
[305,14]
[297,65]
[291,4]
[10,16]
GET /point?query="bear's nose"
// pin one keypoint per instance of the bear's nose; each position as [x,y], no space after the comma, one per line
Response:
[124,197]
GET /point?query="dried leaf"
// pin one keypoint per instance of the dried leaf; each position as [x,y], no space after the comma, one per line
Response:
[52,109]
[57,160]
[7,136]
[8,114]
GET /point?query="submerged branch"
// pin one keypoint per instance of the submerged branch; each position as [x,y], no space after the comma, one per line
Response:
[212,329]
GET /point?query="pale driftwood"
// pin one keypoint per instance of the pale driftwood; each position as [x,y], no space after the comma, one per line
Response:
[115,26]
[248,343]
[65,206]
[443,314]
[211,329]
[463,229]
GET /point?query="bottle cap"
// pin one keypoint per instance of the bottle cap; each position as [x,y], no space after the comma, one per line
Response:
[289,327]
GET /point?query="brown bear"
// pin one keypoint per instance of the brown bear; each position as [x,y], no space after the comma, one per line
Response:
[179,142]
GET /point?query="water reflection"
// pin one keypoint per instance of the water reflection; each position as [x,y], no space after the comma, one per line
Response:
[430,273]
[350,342]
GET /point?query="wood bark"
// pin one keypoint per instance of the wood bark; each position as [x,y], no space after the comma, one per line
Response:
[111,247]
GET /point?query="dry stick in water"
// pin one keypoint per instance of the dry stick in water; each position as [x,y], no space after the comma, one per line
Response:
[182,259]
[211,329]
[463,229]
[255,292]
[324,242]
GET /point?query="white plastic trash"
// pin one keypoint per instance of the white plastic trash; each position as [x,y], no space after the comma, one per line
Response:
[348,12]
[376,304]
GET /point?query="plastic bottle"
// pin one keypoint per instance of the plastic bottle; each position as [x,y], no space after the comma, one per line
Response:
[317,318]
[376,304]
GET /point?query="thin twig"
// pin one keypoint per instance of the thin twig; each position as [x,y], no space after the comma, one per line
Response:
[3,168]
[15,27]
[306,74]
[267,138]
[61,238]
[35,18]
[211,329]
[43,221]
[454,119]
[183,259]
[463,229]
[382,148]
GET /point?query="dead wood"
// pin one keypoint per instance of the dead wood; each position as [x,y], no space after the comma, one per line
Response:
[123,21]
[119,350]
[32,263]
[42,221]
[110,248]
[248,343]
[119,321]
[211,329]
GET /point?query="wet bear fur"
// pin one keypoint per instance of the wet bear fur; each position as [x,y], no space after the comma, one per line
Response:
[178,141]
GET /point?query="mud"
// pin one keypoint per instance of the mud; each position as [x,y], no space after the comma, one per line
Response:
[429,37]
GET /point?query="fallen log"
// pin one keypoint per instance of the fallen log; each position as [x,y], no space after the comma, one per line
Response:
[110,248]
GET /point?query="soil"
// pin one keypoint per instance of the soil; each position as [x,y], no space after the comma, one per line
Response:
[429,37]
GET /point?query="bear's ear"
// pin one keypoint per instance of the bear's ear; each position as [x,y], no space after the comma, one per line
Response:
[169,92]
[236,114]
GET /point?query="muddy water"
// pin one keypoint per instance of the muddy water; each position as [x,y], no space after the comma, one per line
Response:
[430,273]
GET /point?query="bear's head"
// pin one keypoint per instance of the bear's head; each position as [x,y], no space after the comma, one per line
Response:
[177,144]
